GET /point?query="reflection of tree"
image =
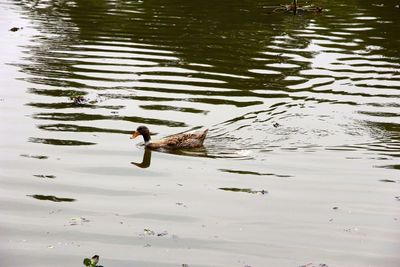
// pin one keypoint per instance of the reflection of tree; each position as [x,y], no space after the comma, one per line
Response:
[225,36]
[224,41]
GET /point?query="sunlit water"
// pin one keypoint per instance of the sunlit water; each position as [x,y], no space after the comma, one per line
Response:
[301,164]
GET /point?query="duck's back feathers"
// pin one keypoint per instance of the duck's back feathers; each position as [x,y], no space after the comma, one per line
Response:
[183,140]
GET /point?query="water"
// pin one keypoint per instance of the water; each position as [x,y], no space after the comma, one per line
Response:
[300,165]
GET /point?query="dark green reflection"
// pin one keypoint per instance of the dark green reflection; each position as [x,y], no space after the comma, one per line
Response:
[244,190]
[254,173]
[164,107]
[394,166]
[72,105]
[34,156]
[77,128]
[91,117]
[59,142]
[56,92]
[387,181]
[52,198]
[45,176]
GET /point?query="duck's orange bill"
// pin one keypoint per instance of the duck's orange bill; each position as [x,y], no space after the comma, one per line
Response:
[135,134]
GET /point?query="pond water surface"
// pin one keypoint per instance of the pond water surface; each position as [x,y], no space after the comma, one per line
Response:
[300,167]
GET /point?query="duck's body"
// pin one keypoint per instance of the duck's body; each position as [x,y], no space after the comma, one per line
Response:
[183,140]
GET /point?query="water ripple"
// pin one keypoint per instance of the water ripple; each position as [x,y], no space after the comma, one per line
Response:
[148,73]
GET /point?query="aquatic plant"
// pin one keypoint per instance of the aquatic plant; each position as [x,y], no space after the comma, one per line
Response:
[295,8]
[92,262]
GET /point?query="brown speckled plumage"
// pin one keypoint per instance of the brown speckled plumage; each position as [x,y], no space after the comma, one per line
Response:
[183,140]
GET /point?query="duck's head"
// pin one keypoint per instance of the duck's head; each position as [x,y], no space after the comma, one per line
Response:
[143,131]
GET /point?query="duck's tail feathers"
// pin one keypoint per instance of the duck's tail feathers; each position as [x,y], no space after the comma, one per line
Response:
[204,134]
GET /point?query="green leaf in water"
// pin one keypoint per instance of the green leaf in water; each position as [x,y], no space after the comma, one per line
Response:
[87,262]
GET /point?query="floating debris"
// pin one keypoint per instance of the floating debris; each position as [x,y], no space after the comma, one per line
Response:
[81,99]
[295,8]
[351,230]
[14,29]
[148,231]
[335,208]
[78,220]
[55,211]
[313,265]
[78,100]
[162,233]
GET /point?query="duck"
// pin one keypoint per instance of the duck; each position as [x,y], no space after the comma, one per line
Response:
[193,139]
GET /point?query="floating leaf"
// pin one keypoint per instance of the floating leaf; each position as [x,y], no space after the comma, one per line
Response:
[148,231]
[87,262]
